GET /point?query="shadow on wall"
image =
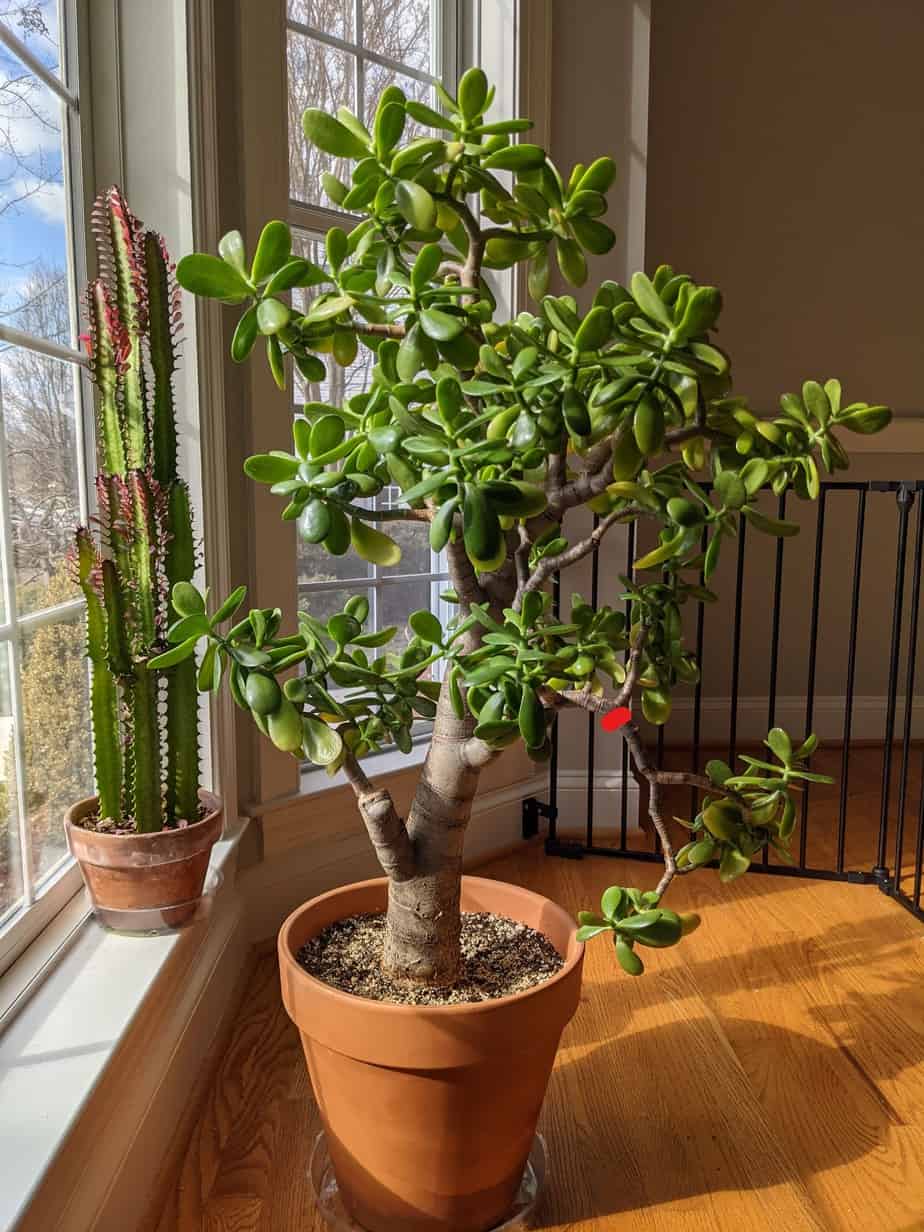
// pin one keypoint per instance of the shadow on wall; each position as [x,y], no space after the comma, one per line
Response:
[600,106]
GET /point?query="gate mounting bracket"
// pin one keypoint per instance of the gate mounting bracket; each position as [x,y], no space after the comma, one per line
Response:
[533,809]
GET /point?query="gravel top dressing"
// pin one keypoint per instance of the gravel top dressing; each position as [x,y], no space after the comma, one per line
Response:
[499,957]
[106,825]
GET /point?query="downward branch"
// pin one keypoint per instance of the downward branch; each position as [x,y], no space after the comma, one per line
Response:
[385,828]
[657,779]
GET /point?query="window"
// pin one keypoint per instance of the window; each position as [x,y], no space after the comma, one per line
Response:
[344,53]
[45,750]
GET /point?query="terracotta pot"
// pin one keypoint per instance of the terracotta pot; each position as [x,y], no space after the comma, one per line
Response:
[430,1111]
[164,871]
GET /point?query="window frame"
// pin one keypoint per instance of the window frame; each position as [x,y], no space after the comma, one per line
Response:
[450,37]
[43,897]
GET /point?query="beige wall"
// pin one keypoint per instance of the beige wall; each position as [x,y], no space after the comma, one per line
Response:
[784,165]
[780,162]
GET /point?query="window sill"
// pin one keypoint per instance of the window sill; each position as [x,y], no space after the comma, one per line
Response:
[74,1007]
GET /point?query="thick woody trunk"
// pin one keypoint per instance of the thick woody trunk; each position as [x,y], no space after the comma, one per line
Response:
[423,921]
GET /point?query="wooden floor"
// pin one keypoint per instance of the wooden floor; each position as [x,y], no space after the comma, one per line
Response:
[767,1074]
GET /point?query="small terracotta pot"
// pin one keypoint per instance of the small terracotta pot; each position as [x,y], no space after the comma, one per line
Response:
[164,871]
[430,1111]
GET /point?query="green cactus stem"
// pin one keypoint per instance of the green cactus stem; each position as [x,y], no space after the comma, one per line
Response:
[104,344]
[104,702]
[163,310]
[144,548]
[145,788]
[181,799]
[113,220]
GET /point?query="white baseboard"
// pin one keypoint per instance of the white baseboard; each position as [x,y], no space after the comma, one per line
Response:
[607,801]
[828,713]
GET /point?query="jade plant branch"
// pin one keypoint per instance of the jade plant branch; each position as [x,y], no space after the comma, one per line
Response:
[492,431]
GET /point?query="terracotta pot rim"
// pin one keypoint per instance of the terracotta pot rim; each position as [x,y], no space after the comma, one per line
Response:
[82,807]
[338,997]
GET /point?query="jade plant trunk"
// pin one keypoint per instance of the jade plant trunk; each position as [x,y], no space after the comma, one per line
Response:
[492,431]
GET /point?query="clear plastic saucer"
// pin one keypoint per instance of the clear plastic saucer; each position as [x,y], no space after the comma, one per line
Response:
[151,921]
[335,1215]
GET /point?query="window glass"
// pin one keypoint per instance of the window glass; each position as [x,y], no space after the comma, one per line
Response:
[319,76]
[39,425]
[333,16]
[36,23]
[335,60]
[33,231]
[378,76]
[343,53]
[55,706]
[400,30]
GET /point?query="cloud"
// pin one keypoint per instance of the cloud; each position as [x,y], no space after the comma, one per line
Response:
[44,199]
[49,203]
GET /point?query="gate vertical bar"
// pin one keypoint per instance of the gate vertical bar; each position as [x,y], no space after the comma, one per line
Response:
[698,693]
[775,635]
[624,781]
[736,645]
[851,676]
[904,497]
[919,845]
[813,659]
[591,718]
[909,696]
[553,760]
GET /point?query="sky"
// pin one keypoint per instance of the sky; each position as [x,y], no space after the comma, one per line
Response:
[31,229]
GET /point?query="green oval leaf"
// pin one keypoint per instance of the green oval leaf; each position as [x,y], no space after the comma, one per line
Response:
[329,135]
[426,626]
[321,744]
[203,274]
[373,545]
[415,204]
[187,601]
[273,249]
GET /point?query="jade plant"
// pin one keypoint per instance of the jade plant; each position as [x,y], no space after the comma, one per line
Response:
[494,431]
[145,723]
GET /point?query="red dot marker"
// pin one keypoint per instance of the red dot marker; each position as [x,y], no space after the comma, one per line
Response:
[614,719]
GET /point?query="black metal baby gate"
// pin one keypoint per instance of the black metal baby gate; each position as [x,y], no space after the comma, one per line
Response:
[860,568]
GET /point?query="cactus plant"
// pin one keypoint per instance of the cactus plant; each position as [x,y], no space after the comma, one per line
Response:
[494,431]
[145,722]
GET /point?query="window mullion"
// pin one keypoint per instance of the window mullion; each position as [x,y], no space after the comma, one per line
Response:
[72,135]
[353,49]
[54,350]
[359,66]
[34,65]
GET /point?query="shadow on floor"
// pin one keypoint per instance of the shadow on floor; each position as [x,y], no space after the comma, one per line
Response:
[657,1116]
